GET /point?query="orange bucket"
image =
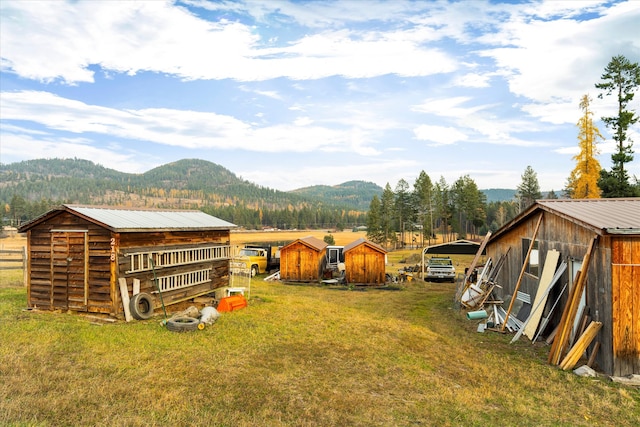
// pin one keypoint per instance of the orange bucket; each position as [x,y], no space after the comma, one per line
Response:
[231,303]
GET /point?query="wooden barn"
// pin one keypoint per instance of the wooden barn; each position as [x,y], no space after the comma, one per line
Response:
[611,227]
[364,263]
[303,260]
[79,256]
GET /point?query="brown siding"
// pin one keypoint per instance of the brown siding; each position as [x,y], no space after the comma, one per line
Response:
[364,265]
[78,268]
[626,305]
[300,263]
[572,241]
[88,276]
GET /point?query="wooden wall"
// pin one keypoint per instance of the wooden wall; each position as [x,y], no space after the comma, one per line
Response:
[364,265]
[301,263]
[625,256]
[128,243]
[81,284]
[75,264]
[572,241]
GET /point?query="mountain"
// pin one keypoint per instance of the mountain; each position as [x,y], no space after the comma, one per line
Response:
[187,183]
[499,195]
[351,193]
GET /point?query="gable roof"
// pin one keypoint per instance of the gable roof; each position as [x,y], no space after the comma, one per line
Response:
[310,241]
[137,220]
[458,247]
[603,216]
[361,241]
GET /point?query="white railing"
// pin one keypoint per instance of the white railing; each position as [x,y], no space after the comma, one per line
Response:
[148,260]
[183,280]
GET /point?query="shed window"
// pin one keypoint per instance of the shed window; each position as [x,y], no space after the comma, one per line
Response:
[533,265]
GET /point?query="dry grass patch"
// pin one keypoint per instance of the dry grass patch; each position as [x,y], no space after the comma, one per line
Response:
[297,356]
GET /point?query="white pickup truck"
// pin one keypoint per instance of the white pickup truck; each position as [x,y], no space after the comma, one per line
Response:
[441,269]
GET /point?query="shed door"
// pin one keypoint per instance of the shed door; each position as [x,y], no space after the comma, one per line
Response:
[68,270]
[370,266]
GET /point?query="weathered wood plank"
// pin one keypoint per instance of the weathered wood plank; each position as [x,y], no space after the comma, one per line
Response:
[124,294]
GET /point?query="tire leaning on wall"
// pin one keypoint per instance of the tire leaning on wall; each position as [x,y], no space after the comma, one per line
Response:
[182,324]
[141,306]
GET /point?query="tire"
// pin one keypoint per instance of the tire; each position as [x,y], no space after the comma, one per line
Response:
[254,270]
[182,324]
[141,306]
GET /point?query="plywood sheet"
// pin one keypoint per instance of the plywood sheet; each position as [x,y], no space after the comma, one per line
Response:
[548,271]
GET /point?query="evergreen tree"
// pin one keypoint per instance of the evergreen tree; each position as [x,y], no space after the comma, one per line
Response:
[423,201]
[387,215]
[443,205]
[622,78]
[583,180]
[403,208]
[529,189]
[374,221]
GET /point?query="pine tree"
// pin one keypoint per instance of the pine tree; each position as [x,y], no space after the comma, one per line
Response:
[622,78]
[374,227]
[423,198]
[387,215]
[583,180]
[529,189]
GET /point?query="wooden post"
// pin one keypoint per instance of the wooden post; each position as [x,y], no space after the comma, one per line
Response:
[25,266]
[524,268]
[124,293]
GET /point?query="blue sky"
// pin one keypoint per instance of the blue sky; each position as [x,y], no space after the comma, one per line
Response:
[291,94]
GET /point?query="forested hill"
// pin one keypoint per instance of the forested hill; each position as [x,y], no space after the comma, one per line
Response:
[352,193]
[188,183]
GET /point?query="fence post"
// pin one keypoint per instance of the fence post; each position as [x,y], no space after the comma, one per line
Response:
[24,265]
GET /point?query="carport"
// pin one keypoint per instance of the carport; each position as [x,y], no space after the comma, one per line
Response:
[458,247]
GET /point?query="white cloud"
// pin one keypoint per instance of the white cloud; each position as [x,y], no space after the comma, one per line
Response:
[439,135]
[181,128]
[48,41]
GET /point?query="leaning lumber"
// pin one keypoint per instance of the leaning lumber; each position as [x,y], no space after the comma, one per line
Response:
[594,353]
[524,268]
[124,294]
[580,346]
[570,309]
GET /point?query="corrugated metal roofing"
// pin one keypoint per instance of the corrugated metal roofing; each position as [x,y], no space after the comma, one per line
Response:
[612,215]
[138,219]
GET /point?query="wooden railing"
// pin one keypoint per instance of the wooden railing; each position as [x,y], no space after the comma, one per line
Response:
[14,259]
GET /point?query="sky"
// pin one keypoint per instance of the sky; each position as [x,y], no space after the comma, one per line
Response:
[290,94]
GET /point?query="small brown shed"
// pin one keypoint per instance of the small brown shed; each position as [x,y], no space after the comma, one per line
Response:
[303,260]
[364,263]
[77,254]
[612,292]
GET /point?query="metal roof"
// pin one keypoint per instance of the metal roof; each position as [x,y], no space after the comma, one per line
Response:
[141,220]
[615,216]
[361,241]
[458,247]
[311,241]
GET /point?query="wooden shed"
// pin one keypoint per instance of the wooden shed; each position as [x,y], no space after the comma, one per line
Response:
[612,288]
[78,254]
[364,263]
[303,260]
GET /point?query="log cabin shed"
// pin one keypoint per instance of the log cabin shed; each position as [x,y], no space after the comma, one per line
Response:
[303,260]
[77,254]
[612,289]
[364,263]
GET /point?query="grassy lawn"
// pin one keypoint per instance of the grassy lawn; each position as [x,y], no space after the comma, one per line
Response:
[297,356]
